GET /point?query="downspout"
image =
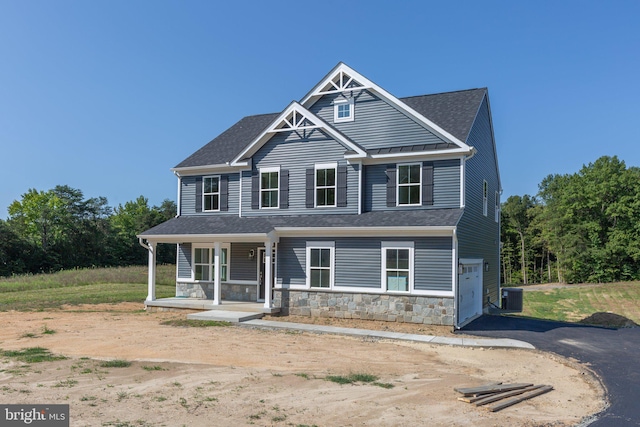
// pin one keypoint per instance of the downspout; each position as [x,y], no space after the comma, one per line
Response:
[144,245]
[456,280]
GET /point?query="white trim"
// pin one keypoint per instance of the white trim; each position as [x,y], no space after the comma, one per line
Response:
[269,170]
[496,207]
[342,68]
[179,204]
[480,263]
[324,166]
[384,247]
[359,187]
[463,167]
[365,231]
[332,262]
[210,169]
[212,194]
[240,182]
[336,107]
[211,247]
[398,166]
[274,127]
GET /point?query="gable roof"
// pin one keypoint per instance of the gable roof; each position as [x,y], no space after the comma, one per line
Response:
[453,111]
[294,118]
[228,144]
[450,115]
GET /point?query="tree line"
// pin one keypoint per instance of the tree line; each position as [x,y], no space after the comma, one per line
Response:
[61,229]
[580,227]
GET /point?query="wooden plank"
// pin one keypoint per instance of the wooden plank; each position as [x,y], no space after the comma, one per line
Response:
[483,400]
[491,389]
[519,399]
[463,390]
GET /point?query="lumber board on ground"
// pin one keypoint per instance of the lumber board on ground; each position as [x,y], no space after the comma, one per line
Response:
[486,399]
[523,397]
[464,390]
[477,391]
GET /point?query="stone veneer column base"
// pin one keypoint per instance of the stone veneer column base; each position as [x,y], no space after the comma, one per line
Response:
[390,308]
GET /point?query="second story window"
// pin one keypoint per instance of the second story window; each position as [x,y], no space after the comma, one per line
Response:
[409,184]
[269,179]
[211,193]
[326,185]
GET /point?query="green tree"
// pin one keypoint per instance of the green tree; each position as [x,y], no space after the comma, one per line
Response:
[516,220]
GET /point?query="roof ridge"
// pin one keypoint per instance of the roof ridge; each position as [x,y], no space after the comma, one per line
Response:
[445,93]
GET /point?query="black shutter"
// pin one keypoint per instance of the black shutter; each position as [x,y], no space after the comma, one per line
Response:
[391,186]
[255,190]
[198,194]
[224,193]
[342,187]
[427,184]
[311,188]
[284,189]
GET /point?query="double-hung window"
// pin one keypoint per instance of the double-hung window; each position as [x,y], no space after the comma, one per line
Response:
[320,264]
[269,191]
[203,263]
[326,184]
[211,193]
[409,184]
[397,266]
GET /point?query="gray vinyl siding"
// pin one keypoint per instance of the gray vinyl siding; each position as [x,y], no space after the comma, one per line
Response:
[241,267]
[433,264]
[479,235]
[446,186]
[292,153]
[358,262]
[377,124]
[188,195]
[184,261]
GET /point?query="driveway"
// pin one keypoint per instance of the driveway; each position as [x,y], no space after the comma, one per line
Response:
[614,354]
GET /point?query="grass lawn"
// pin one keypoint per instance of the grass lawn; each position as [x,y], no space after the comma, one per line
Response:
[574,303]
[83,286]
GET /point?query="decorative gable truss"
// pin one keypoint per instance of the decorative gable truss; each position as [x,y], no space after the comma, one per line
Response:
[296,118]
[343,79]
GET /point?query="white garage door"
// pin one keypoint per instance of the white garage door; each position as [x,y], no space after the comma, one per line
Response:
[469,293]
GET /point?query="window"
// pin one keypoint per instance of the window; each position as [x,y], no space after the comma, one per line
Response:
[269,188]
[320,261]
[326,185]
[343,110]
[409,184]
[497,211]
[203,264]
[211,193]
[485,197]
[397,266]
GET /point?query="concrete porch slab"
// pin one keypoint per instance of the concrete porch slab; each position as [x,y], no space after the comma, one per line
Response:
[202,304]
[225,316]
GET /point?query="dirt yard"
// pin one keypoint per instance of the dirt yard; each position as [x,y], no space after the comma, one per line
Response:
[233,376]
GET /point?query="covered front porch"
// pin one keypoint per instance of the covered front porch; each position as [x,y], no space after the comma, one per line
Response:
[216,272]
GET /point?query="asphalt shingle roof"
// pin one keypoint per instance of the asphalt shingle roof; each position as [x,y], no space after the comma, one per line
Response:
[452,111]
[230,225]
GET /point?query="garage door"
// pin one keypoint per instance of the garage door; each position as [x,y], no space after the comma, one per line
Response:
[469,293]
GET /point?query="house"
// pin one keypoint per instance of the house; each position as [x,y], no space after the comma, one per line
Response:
[349,203]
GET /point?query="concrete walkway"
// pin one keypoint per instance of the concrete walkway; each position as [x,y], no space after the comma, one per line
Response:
[459,341]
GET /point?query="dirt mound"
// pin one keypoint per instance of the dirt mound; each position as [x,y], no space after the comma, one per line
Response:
[609,319]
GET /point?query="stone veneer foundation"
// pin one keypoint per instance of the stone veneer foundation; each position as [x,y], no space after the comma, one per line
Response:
[390,308]
[229,291]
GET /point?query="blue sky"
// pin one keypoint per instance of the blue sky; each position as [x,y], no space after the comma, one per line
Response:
[107,96]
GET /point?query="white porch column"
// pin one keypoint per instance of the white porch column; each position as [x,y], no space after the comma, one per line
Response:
[217,279]
[151,287]
[268,285]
